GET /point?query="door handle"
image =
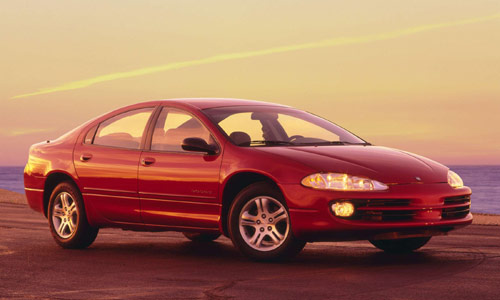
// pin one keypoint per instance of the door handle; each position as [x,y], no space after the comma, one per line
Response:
[147,161]
[85,157]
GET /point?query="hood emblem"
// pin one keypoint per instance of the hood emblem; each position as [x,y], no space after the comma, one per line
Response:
[418,178]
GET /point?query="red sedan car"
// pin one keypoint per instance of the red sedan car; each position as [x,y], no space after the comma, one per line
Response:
[268,176]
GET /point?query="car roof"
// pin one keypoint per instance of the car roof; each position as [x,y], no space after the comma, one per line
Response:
[202,103]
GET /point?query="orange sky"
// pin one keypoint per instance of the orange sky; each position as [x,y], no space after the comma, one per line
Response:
[435,92]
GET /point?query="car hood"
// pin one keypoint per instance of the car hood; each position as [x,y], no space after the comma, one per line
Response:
[387,165]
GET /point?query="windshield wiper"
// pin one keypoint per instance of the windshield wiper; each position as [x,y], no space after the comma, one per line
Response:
[333,143]
[266,142]
[323,143]
[364,144]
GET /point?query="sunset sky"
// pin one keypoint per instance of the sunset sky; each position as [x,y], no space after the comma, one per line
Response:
[422,76]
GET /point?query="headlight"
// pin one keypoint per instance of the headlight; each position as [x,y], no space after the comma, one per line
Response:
[342,182]
[454,180]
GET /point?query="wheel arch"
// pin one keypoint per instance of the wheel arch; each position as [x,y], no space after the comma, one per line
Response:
[234,184]
[53,179]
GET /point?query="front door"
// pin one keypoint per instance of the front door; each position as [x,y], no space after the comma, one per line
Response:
[179,188]
[106,164]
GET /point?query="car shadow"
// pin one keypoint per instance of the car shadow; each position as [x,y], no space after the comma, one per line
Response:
[320,257]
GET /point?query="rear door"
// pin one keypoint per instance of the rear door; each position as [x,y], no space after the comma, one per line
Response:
[179,188]
[106,164]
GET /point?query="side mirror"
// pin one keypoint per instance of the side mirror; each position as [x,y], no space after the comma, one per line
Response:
[198,145]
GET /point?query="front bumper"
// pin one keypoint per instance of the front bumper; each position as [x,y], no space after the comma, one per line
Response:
[401,211]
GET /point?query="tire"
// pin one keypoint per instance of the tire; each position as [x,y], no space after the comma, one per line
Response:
[201,237]
[67,218]
[400,245]
[259,224]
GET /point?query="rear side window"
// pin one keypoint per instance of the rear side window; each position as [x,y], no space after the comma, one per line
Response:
[124,130]
[89,137]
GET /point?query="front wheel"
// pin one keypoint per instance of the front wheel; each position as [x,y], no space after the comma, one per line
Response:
[67,219]
[259,224]
[401,245]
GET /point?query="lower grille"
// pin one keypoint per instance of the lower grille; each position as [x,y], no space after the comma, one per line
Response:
[389,215]
[380,210]
[457,200]
[380,202]
[455,212]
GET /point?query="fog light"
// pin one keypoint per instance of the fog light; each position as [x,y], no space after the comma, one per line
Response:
[343,209]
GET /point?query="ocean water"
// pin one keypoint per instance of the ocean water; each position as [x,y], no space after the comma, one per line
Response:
[11,178]
[483,180]
[485,184]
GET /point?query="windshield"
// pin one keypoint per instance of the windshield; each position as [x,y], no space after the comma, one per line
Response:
[277,126]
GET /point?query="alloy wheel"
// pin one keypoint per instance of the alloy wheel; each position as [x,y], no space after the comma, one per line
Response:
[264,223]
[65,215]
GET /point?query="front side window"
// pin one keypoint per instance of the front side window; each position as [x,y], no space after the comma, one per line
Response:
[277,126]
[234,123]
[173,126]
[124,130]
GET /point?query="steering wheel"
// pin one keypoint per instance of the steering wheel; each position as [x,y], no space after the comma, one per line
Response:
[295,137]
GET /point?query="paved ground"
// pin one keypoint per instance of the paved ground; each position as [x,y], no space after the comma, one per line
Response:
[120,264]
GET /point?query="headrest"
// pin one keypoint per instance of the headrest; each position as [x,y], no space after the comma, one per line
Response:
[240,138]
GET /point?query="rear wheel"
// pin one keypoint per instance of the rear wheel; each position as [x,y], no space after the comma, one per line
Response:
[401,245]
[201,237]
[67,219]
[259,224]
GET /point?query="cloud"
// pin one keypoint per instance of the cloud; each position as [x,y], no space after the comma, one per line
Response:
[79,84]
[23,131]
